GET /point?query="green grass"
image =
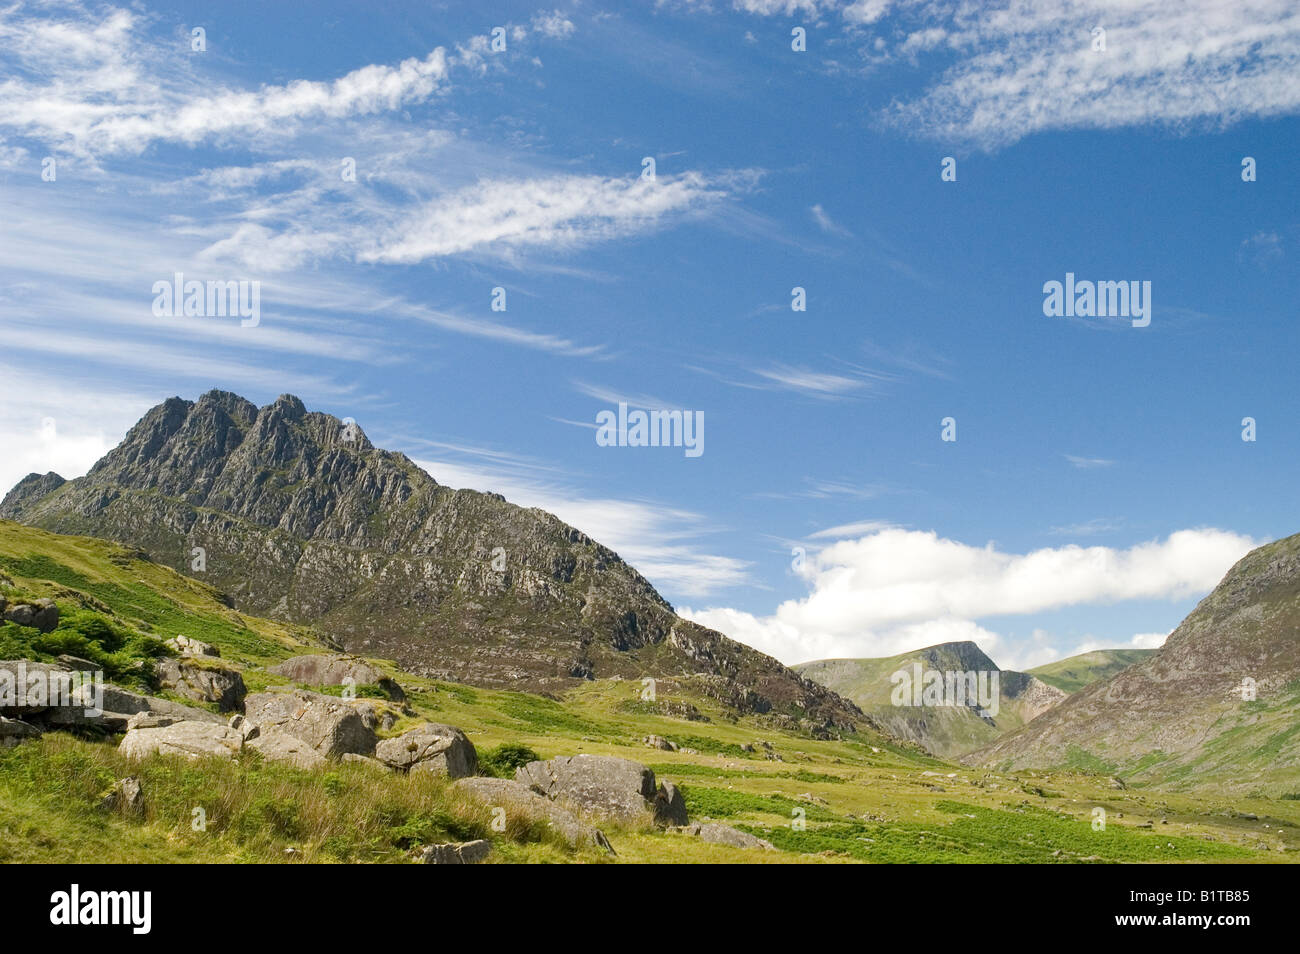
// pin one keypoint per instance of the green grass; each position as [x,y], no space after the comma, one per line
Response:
[50,789]
[989,836]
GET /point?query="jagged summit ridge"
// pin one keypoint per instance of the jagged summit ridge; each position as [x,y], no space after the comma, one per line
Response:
[301,517]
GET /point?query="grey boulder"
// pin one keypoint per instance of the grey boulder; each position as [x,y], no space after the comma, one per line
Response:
[190,739]
[325,670]
[279,746]
[42,614]
[432,747]
[514,797]
[461,853]
[606,786]
[203,683]
[726,835]
[330,726]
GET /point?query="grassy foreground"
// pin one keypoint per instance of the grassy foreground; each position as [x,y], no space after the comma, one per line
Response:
[856,799]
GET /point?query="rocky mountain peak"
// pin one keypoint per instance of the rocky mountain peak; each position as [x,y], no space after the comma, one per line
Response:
[301,517]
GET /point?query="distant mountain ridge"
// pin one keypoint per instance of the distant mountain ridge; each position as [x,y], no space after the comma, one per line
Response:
[1217,704]
[947,731]
[1075,672]
[301,518]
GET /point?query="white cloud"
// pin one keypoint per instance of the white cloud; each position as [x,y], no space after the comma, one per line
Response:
[894,590]
[826,223]
[558,212]
[1024,68]
[94,84]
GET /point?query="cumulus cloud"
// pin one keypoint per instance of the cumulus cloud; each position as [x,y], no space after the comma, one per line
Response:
[895,590]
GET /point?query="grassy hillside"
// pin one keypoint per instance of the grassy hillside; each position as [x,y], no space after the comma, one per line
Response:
[863,797]
[1072,674]
[948,731]
[1217,707]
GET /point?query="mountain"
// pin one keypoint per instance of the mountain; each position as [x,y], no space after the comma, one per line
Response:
[1075,672]
[947,730]
[1180,718]
[296,516]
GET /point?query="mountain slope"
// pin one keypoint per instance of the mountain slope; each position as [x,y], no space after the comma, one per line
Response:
[1179,717]
[300,518]
[1075,672]
[947,731]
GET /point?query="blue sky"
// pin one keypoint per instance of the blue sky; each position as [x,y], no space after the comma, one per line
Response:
[1098,485]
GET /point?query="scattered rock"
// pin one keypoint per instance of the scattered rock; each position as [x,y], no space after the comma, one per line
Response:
[659,742]
[14,731]
[190,739]
[441,749]
[41,614]
[277,745]
[720,834]
[462,853]
[516,797]
[192,647]
[331,726]
[364,760]
[203,683]
[605,786]
[126,795]
[325,670]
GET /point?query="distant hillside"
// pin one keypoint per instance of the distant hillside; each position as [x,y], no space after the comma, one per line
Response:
[947,731]
[1179,718]
[301,519]
[1075,672]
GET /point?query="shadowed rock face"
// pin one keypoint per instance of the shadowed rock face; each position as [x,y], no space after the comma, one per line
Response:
[301,518]
[1181,713]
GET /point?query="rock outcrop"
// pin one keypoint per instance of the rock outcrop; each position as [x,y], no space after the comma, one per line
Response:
[606,786]
[432,747]
[326,670]
[303,519]
[203,682]
[330,726]
[514,797]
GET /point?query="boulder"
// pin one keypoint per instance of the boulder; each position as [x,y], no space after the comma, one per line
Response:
[331,726]
[24,685]
[190,739]
[14,731]
[278,745]
[325,670]
[726,835]
[659,742]
[441,749]
[669,805]
[192,647]
[42,614]
[514,797]
[364,760]
[126,795]
[455,853]
[203,683]
[605,786]
[119,705]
